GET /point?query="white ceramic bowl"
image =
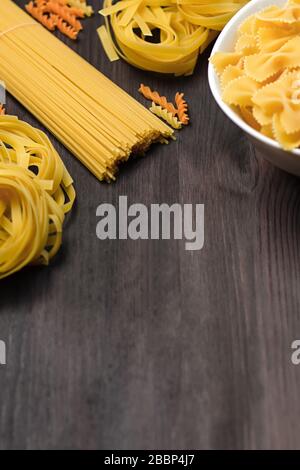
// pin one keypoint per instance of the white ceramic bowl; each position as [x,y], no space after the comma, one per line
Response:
[267,148]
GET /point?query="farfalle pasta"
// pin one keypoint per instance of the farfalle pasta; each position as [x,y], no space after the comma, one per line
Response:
[289,15]
[260,78]
[264,65]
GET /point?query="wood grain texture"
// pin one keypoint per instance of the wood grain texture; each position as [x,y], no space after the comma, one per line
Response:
[143,345]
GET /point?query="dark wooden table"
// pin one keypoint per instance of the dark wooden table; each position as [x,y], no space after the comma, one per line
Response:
[141,344]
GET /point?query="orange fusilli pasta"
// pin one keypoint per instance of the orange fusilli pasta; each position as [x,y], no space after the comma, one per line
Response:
[157,99]
[57,14]
[182,108]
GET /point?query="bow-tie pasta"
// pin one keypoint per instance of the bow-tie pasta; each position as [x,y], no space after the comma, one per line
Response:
[261,77]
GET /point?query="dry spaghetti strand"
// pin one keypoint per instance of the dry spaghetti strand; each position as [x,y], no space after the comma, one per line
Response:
[157,99]
[182,108]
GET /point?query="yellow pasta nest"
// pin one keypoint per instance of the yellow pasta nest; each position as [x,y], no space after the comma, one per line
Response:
[261,77]
[163,36]
[36,192]
[212,14]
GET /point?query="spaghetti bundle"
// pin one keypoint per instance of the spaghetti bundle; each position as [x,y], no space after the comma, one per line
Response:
[95,119]
[36,192]
[163,35]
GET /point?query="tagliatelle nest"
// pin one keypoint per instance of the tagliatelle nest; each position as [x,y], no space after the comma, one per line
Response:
[163,36]
[36,192]
[31,221]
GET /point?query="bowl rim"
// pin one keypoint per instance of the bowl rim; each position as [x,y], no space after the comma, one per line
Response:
[213,78]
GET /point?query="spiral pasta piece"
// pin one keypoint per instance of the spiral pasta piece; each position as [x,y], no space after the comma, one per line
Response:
[57,14]
[37,13]
[157,99]
[63,12]
[66,29]
[81,5]
[166,116]
[182,108]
